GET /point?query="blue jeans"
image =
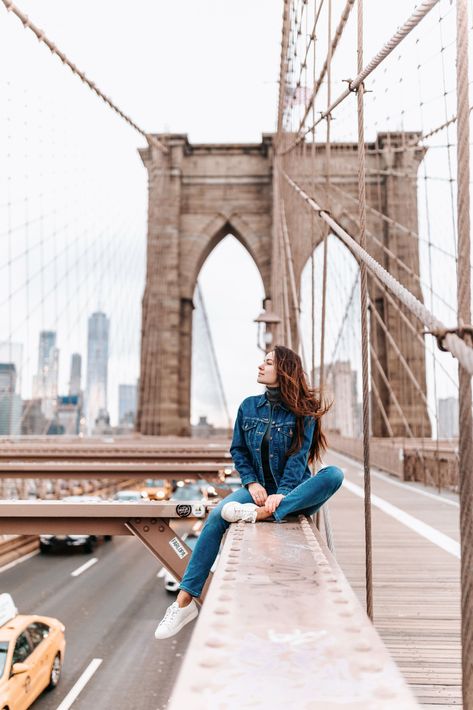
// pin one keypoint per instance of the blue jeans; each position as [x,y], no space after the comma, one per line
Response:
[304,499]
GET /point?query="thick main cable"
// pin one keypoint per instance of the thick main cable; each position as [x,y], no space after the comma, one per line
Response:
[452,342]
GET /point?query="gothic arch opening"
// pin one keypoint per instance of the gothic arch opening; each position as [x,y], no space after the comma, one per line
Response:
[227,297]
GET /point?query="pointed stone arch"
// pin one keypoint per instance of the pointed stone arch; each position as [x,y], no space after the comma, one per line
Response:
[219,227]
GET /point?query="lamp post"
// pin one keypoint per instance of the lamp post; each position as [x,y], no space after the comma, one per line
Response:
[270,321]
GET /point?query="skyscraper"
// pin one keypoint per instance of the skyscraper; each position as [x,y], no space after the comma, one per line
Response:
[448,418]
[76,369]
[10,402]
[13,352]
[126,404]
[97,367]
[45,382]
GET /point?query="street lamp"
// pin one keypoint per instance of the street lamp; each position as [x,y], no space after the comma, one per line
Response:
[270,321]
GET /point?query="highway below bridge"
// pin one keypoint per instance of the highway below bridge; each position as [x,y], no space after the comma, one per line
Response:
[110,611]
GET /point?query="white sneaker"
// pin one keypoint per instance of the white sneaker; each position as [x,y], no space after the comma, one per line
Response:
[233,512]
[175,619]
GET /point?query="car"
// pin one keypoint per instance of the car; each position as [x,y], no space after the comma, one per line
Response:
[32,649]
[129,496]
[157,489]
[85,542]
[191,491]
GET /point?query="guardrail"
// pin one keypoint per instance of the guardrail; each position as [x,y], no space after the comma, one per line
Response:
[423,460]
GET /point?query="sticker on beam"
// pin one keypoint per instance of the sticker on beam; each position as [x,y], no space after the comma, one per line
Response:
[198,510]
[178,548]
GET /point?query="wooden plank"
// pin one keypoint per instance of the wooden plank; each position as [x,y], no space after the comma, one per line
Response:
[416,584]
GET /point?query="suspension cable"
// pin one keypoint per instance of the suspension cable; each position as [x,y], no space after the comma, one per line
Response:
[452,342]
[419,13]
[464,373]
[40,35]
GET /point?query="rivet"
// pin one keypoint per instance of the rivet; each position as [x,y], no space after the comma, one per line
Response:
[153,521]
[137,521]
[214,642]
[384,692]
[370,668]
[209,662]
[161,528]
[146,528]
[198,687]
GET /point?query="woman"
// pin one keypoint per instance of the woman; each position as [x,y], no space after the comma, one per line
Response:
[276,435]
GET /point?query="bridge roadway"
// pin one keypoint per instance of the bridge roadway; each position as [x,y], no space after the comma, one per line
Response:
[110,610]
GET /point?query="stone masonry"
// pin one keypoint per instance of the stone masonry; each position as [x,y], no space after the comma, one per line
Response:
[198,194]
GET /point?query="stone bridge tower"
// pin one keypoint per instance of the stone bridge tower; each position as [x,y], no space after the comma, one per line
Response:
[200,193]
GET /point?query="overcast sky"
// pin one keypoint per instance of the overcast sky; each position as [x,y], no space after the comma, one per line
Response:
[208,69]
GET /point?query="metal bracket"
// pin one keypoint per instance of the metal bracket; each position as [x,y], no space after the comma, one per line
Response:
[165,544]
[463,331]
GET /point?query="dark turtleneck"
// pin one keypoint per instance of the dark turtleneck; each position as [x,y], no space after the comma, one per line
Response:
[273,395]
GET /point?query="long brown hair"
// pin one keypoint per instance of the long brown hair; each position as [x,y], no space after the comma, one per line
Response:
[300,399]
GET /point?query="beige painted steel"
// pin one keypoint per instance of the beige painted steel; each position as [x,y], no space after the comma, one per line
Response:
[122,448]
[281,628]
[105,517]
[105,469]
[147,521]
[158,537]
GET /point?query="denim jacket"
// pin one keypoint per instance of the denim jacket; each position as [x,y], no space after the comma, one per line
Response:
[250,425]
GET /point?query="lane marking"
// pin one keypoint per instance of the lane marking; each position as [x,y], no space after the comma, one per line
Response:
[83,567]
[19,560]
[438,538]
[406,485]
[80,684]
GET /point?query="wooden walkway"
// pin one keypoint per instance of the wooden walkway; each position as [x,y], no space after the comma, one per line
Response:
[416,581]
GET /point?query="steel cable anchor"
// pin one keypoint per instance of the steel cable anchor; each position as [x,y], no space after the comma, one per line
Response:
[464,331]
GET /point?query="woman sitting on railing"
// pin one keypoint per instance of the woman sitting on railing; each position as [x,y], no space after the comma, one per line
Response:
[275,438]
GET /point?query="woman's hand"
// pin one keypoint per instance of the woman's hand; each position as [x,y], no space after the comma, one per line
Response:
[272,502]
[258,493]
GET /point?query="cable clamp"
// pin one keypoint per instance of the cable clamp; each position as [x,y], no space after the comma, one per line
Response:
[462,330]
[349,81]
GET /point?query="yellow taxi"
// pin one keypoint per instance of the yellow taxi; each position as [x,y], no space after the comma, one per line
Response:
[31,655]
[156,489]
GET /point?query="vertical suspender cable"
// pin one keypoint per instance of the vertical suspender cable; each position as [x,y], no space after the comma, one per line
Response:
[364,320]
[327,178]
[464,378]
[312,223]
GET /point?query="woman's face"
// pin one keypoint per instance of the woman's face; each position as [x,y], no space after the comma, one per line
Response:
[267,371]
